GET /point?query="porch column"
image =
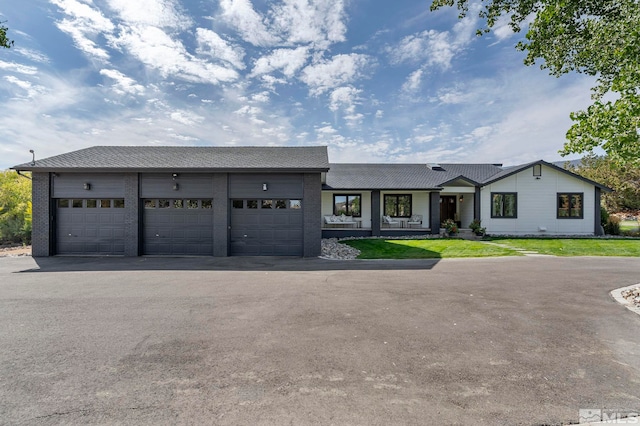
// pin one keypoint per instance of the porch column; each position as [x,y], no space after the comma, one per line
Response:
[476,204]
[375,213]
[434,212]
[597,216]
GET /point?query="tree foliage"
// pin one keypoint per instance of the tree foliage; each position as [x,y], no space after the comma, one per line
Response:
[15,207]
[594,37]
[623,179]
[4,41]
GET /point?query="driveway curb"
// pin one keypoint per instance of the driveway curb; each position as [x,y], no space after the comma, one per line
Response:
[617,296]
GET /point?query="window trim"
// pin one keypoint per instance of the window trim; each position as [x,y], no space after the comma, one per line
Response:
[570,194]
[347,203]
[515,209]
[397,196]
[537,170]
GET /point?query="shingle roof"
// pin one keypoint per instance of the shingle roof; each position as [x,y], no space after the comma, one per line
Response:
[402,176]
[176,158]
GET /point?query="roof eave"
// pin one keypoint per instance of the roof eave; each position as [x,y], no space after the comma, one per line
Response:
[167,169]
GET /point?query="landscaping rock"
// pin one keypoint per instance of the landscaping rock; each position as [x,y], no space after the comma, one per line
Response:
[632,295]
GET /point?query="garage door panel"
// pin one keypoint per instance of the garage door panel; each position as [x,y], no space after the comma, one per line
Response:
[264,231]
[177,230]
[89,230]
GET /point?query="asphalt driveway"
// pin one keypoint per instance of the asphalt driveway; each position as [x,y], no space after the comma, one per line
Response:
[292,341]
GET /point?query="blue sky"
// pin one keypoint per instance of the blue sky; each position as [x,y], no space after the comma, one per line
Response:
[374,80]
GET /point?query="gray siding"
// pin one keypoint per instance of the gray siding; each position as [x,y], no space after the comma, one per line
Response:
[131,215]
[376,215]
[312,209]
[40,198]
[71,185]
[161,185]
[278,186]
[221,215]
[434,212]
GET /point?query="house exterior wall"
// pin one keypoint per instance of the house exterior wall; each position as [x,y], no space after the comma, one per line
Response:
[419,203]
[537,204]
[312,207]
[131,214]
[327,205]
[41,223]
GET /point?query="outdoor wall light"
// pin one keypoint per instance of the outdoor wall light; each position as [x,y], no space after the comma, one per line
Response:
[264,187]
[461,198]
[176,186]
[87,186]
[175,176]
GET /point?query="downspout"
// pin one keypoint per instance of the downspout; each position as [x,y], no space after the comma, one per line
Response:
[24,176]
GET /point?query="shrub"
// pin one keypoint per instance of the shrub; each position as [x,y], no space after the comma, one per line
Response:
[476,228]
[450,226]
[613,226]
[604,216]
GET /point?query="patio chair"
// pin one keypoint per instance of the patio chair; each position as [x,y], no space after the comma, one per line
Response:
[416,220]
[391,223]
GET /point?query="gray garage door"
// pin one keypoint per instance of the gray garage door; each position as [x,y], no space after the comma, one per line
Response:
[178,227]
[90,226]
[266,227]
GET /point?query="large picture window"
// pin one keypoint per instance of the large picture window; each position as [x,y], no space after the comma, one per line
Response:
[347,204]
[504,205]
[397,205]
[570,205]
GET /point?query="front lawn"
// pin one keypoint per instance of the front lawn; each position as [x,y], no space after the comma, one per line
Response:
[630,226]
[425,249]
[576,247]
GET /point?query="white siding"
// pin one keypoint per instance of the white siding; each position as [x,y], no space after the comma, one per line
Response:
[537,204]
[327,205]
[419,204]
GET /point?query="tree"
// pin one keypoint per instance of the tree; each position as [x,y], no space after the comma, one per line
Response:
[597,38]
[15,207]
[4,41]
[623,179]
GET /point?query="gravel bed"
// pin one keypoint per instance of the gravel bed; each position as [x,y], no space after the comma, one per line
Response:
[632,295]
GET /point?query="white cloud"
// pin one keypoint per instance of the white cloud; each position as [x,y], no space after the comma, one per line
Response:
[123,84]
[316,22]
[212,45]
[289,61]
[248,22]
[33,55]
[30,89]
[186,117]
[343,97]
[413,82]
[19,68]
[84,24]
[339,70]
[158,13]
[158,50]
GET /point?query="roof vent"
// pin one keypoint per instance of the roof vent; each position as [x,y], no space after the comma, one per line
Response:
[435,166]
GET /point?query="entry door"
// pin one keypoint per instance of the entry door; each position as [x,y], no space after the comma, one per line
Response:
[447,207]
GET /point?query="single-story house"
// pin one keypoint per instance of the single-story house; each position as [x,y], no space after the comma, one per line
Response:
[251,201]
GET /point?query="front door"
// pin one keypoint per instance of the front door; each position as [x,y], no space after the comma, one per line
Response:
[447,207]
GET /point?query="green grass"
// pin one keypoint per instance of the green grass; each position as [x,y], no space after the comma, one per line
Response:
[576,247]
[425,249]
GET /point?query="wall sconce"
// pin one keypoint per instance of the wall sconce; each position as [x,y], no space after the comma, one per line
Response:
[461,198]
[264,187]
[175,176]
[176,186]
[87,186]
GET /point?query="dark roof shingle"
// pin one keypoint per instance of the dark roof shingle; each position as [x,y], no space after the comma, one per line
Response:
[185,158]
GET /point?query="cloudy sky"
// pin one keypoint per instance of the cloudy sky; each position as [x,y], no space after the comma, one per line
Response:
[374,80]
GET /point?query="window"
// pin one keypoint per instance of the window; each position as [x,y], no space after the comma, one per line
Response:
[63,204]
[76,204]
[504,205]
[397,205]
[295,204]
[570,205]
[92,204]
[118,203]
[207,204]
[163,204]
[149,204]
[347,204]
[281,204]
[178,204]
[192,204]
[252,204]
[537,170]
[105,204]
[267,204]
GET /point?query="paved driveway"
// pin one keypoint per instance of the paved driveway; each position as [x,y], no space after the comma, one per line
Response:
[293,341]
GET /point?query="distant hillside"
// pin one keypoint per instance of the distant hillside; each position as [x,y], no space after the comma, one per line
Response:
[563,164]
